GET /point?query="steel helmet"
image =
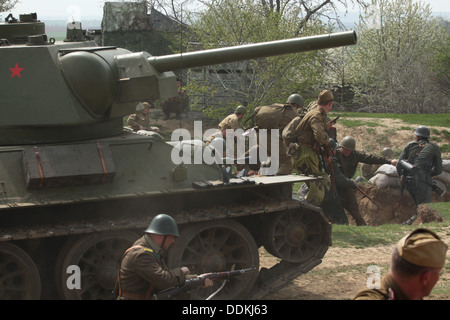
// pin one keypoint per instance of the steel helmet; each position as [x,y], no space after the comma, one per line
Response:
[422,131]
[240,109]
[163,224]
[387,152]
[348,143]
[295,98]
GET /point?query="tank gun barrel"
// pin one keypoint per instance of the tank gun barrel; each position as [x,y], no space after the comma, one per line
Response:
[252,51]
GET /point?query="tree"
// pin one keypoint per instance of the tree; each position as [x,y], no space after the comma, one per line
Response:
[262,81]
[6,5]
[391,67]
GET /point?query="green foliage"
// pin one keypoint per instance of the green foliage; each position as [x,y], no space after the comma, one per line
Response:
[256,82]
[390,68]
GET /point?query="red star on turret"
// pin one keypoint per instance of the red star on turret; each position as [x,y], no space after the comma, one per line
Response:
[16,71]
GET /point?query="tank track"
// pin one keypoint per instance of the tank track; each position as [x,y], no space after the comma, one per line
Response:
[142,221]
[269,280]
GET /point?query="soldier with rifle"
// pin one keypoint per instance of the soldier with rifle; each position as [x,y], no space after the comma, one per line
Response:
[349,158]
[143,271]
[419,161]
[304,138]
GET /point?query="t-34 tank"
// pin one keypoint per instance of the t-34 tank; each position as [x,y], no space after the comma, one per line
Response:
[76,189]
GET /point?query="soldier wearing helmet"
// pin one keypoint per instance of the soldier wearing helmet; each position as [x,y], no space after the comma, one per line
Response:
[426,157]
[141,119]
[275,117]
[231,122]
[349,158]
[143,270]
[332,204]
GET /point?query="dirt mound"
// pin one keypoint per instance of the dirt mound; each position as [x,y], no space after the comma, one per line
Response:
[393,208]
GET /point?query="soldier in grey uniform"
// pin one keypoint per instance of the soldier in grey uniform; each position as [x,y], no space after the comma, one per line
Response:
[416,264]
[426,158]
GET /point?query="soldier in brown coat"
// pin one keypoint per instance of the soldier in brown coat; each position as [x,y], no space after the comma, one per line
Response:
[143,270]
[303,138]
[416,263]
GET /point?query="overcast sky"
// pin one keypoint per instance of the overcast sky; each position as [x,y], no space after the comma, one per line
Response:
[87,9]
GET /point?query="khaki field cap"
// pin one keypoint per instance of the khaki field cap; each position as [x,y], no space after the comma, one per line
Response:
[423,248]
[325,96]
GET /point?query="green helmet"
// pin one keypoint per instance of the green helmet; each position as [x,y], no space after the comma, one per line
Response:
[422,131]
[387,152]
[163,224]
[240,110]
[348,143]
[295,98]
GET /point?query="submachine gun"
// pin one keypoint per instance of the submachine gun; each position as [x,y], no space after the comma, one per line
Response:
[199,281]
[408,171]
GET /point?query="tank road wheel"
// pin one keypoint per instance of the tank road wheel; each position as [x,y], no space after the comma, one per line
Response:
[217,246]
[98,257]
[296,235]
[19,277]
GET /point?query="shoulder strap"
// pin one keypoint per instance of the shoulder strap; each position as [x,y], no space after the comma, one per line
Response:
[150,289]
[413,156]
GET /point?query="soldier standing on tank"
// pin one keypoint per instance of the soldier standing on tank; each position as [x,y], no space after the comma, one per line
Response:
[416,264]
[304,138]
[230,122]
[143,270]
[368,170]
[425,157]
[349,158]
[276,117]
[141,119]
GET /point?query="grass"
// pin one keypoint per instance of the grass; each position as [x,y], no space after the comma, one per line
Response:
[437,119]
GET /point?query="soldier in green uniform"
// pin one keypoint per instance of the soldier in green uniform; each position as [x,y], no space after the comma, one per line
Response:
[332,204]
[349,158]
[143,270]
[425,156]
[304,137]
[416,263]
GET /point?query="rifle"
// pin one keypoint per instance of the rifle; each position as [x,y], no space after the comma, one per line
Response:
[365,194]
[330,165]
[335,120]
[199,281]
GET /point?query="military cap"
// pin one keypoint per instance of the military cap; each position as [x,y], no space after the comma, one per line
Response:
[423,248]
[325,96]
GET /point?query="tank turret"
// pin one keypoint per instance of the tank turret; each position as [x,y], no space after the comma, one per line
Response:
[76,188]
[78,90]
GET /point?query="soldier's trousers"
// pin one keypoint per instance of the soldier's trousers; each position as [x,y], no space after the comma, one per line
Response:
[350,203]
[308,162]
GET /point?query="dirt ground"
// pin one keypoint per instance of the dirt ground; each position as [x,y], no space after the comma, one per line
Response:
[343,271]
